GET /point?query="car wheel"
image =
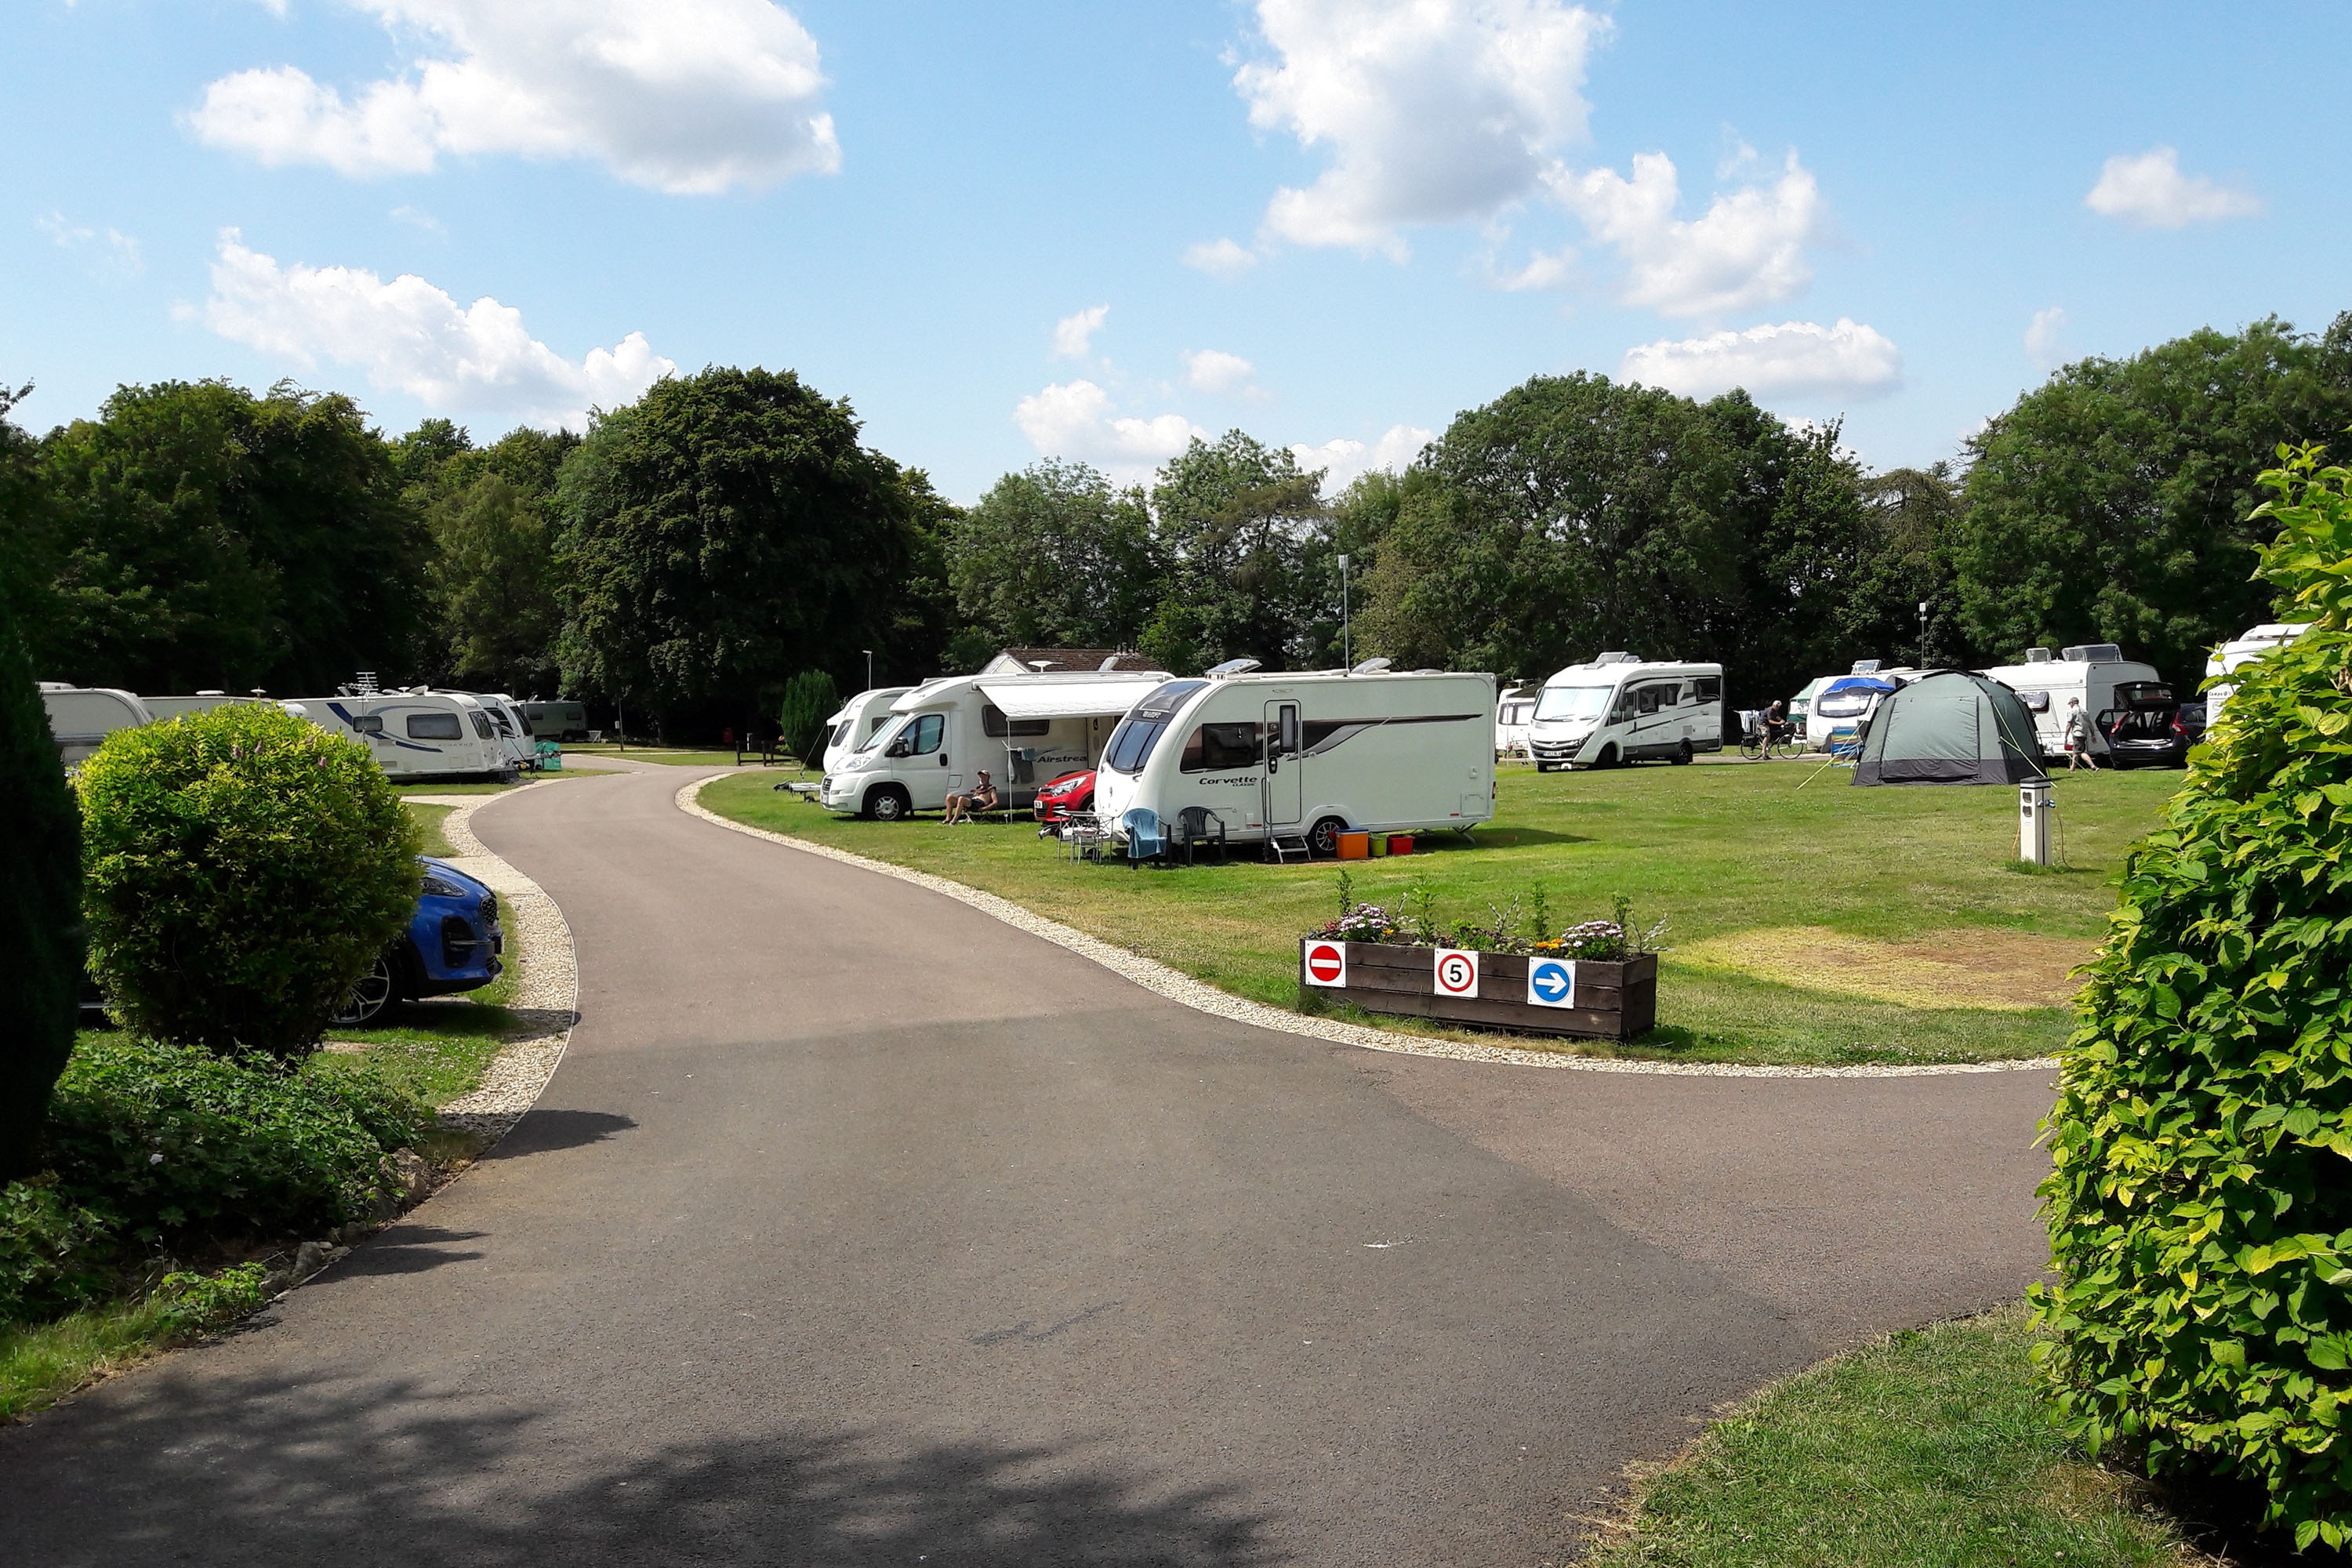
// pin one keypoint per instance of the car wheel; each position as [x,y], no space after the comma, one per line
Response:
[1682,754]
[377,989]
[1323,838]
[888,804]
[1543,767]
[1607,758]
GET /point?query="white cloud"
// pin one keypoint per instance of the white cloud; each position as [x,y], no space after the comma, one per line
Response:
[2150,190]
[1213,370]
[683,95]
[1552,270]
[1072,420]
[2041,336]
[414,338]
[1220,258]
[1432,110]
[1074,334]
[119,256]
[417,217]
[1746,249]
[1792,359]
[1342,460]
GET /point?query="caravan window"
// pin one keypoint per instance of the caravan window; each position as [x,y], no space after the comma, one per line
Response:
[2035,701]
[1560,702]
[499,718]
[369,724]
[1650,698]
[482,725]
[841,733]
[1707,689]
[434,727]
[1216,747]
[994,723]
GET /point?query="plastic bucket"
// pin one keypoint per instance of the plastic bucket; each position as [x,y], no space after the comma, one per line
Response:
[1355,846]
[1400,843]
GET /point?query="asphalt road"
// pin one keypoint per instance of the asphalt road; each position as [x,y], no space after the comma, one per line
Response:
[857,1227]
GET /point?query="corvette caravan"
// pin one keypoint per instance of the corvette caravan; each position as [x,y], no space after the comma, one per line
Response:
[82,717]
[1307,756]
[1620,709]
[413,735]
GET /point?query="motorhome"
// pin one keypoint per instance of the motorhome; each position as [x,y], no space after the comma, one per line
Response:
[414,733]
[1304,757]
[82,717]
[2084,676]
[1623,708]
[558,720]
[1025,730]
[165,708]
[2240,651]
[859,720]
[1513,711]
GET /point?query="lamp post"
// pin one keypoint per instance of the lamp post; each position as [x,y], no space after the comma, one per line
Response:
[869,666]
[1347,639]
[1923,634]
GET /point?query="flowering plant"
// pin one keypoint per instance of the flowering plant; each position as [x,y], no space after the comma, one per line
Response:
[1363,922]
[1603,941]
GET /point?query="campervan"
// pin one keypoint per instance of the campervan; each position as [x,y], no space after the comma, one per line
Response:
[860,719]
[1025,730]
[414,733]
[1623,709]
[1307,756]
[165,708]
[1513,711]
[82,717]
[558,720]
[2087,675]
[2238,652]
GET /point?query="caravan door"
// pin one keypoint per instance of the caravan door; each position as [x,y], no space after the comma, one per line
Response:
[1284,782]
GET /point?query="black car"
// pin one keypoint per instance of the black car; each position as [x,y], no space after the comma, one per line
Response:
[2147,728]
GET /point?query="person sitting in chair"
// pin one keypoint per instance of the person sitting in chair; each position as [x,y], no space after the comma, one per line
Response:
[961,806]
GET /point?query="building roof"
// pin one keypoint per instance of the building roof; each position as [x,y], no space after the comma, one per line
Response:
[1014,661]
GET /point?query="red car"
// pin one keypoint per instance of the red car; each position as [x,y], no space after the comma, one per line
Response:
[1070,792]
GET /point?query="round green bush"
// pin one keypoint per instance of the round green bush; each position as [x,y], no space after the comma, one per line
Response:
[2201,1203]
[243,868]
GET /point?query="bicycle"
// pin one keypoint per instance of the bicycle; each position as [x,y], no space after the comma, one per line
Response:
[1765,741]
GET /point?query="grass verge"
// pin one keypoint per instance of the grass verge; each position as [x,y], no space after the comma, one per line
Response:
[42,1364]
[429,819]
[1716,848]
[683,757]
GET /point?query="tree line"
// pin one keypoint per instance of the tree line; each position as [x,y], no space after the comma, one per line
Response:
[691,553]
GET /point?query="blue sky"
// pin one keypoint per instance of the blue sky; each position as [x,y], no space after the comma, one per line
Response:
[1335,225]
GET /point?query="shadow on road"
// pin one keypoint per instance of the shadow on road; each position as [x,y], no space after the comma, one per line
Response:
[245,1472]
[541,1132]
[409,1250]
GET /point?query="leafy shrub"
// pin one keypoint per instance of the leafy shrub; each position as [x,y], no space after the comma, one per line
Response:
[40,905]
[810,699]
[167,1140]
[192,1303]
[244,868]
[53,1252]
[2201,1207]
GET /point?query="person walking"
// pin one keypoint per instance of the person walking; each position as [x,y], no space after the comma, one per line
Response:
[2078,737]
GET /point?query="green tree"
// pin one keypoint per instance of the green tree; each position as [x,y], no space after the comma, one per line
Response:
[2110,504]
[810,699]
[1055,557]
[1251,571]
[40,905]
[727,531]
[493,595]
[1910,520]
[209,538]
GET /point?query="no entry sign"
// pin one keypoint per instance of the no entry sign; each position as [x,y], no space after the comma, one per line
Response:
[1326,963]
[1457,973]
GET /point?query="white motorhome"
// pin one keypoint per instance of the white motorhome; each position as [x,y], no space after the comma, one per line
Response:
[1307,756]
[2238,652]
[859,719]
[82,717]
[414,733]
[1620,709]
[1513,711]
[1025,730]
[2087,675]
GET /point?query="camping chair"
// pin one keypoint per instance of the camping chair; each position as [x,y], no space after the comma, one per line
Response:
[1146,839]
[1196,823]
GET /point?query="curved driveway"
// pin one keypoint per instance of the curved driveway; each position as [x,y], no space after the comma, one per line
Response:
[859,1228]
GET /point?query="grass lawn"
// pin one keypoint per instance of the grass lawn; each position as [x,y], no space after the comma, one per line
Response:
[1750,863]
[675,757]
[429,819]
[1928,1449]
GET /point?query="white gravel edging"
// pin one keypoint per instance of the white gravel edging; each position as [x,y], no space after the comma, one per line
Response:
[1181,988]
[546,993]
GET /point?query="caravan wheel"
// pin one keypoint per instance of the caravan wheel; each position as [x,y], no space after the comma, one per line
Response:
[1324,837]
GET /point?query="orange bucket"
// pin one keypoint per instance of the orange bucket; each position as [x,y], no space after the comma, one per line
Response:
[1400,843]
[1355,846]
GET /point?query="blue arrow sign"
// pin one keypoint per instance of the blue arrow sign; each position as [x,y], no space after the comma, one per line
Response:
[1551,982]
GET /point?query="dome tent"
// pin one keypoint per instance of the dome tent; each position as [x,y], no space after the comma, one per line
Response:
[1953,726]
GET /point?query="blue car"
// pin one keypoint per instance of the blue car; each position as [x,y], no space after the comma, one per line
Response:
[452,943]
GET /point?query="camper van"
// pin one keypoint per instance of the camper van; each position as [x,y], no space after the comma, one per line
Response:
[82,717]
[558,720]
[2239,651]
[2088,674]
[413,735]
[1308,755]
[1623,708]
[1025,730]
[860,719]
[1513,711]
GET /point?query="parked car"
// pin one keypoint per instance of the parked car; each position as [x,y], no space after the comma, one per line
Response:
[453,944]
[1073,792]
[2146,727]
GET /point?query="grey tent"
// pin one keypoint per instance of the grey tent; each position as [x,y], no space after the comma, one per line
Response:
[1951,727]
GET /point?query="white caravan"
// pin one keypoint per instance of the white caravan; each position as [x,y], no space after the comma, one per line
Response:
[860,719]
[2238,652]
[2088,674]
[1025,730]
[1307,756]
[168,708]
[82,717]
[414,733]
[1620,709]
[1846,702]
[557,721]
[506,716]
[1513,711]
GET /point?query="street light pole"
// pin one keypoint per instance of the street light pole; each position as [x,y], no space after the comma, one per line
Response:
[1347,639]
[869,666]
[1923,634]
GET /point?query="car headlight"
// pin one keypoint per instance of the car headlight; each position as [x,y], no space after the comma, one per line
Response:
[441,887]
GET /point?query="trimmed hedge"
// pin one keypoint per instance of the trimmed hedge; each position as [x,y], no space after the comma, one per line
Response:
[2201,1207]
[40,907]
[244,868]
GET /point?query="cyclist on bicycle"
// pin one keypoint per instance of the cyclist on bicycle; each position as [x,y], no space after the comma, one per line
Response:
[1776,721]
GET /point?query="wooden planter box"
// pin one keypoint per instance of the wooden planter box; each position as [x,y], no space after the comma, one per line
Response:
[1614,1001]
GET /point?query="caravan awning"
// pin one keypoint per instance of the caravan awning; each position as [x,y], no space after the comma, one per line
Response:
[1017,697]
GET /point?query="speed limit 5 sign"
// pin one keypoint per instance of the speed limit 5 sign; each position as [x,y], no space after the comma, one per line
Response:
[1457,971]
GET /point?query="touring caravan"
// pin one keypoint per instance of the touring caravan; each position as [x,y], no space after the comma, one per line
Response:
[82,717]
[2239,651]
[1308,755]
[1621,709]
[165,708]
[2088,674]
[414,733]
[506,716]
[859,720]
[558,720]
[1025,730]
[1513,711]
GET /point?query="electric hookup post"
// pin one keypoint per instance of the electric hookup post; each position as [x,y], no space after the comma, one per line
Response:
[2033,822]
